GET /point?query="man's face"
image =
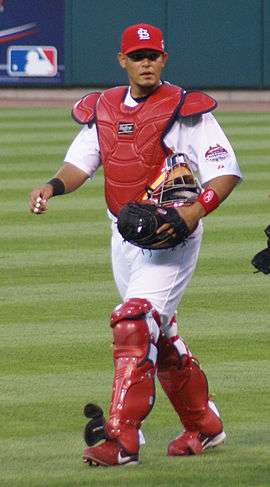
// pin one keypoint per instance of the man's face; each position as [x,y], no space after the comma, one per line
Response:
[144,69]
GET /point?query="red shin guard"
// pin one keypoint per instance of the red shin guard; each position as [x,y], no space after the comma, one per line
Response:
[187,389]
[134,361]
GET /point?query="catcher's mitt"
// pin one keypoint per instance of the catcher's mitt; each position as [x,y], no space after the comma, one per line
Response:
[261,260]
[138,224]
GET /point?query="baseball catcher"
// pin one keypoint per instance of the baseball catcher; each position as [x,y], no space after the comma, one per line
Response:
[261,260]
[149,137]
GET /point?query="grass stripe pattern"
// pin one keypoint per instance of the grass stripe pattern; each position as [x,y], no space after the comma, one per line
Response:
[56,296]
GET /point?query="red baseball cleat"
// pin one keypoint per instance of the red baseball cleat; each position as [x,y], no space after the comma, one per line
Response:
[108,454]
[194,443]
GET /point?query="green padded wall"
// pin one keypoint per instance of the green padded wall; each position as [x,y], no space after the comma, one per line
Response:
[211,43]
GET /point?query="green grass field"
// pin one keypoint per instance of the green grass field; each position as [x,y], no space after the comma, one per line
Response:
[56,296]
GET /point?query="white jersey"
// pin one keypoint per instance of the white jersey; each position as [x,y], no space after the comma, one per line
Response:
[161,276]
[204,143]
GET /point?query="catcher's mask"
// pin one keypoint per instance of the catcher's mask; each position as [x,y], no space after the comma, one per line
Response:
[176,185]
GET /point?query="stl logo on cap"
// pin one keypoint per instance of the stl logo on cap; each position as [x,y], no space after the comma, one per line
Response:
[143,34]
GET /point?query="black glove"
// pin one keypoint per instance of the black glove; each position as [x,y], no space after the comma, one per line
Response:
[139,222]
[261,260]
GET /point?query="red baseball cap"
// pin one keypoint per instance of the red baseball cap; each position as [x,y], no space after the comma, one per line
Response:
[141,36]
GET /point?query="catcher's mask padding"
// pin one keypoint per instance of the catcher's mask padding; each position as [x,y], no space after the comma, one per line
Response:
[176,183]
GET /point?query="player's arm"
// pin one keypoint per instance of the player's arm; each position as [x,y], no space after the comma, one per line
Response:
[81,161]
[219,171]
[217,190]
[71,176]
[67,179]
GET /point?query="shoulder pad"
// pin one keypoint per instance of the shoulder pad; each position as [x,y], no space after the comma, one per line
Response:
[196,103]
[83,111]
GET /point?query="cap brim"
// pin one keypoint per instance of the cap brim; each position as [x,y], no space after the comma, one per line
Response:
[139,47]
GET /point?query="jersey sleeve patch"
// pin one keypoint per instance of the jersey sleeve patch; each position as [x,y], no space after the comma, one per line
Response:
[216,153]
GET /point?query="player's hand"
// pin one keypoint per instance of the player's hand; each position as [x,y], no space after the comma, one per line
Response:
[38,198]
[166,230]
[190,217]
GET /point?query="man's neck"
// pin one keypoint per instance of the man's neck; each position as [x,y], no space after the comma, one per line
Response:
[139,99]
[138,93]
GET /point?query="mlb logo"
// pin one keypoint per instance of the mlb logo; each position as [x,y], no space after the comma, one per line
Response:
[32,61]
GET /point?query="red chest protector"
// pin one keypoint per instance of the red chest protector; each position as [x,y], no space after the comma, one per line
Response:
[131,139]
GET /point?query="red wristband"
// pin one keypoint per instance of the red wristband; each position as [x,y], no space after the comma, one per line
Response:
[209,200]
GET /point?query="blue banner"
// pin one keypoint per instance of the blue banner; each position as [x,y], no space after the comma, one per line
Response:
[31,42]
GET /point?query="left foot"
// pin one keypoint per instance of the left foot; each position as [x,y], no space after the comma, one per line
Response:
[107,454]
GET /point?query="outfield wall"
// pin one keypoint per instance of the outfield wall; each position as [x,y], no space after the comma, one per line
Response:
[211,43]
[221,44]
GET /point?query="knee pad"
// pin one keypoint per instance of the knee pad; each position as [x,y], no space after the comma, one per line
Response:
[137,309]
[135,333]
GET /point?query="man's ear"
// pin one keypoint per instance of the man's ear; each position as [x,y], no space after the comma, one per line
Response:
[122,60]
[165,58]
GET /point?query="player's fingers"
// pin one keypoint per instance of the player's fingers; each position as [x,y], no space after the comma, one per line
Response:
[170,231]
[39,205]
[163,228]
[39,211]
[168,234]
[160,245]
[33,196]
